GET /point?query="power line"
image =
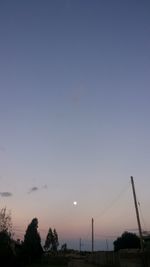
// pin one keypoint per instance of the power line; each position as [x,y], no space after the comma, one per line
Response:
[141,213]
[115,200]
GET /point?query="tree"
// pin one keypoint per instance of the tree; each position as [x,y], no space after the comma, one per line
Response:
[64,247]
[5,221]
[127,240]
[7,255]
[32,242]
[51,241]
[55,241]
[6,251]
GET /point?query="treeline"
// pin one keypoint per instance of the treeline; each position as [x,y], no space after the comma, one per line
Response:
[20,253]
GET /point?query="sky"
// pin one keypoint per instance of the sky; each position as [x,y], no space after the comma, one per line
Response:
[74,115]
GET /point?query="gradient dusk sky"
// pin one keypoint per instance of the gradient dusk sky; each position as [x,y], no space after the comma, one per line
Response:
[75,114]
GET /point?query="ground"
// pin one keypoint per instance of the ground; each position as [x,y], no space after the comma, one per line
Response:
[79,263]
[72,263]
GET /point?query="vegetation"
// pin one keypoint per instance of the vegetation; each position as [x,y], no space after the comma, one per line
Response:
[51,242]
[5,221]
[126,241]
[7,256]
[32,249]
[64,247]
[29,252]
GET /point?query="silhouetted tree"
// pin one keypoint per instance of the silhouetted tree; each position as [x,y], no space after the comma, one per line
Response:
[49,240]
[7,255]
[55,243]
[32,242]
[5,221]
[127,240]
[64,247]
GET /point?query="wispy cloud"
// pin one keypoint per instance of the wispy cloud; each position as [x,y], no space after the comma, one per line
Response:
[6,194]
[33,189]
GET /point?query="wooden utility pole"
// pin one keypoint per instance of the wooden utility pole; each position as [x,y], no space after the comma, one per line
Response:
[80,244]
[92,235]
[107,246]
[137,214]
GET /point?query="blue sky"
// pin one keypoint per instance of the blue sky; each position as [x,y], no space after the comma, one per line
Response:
[74,113]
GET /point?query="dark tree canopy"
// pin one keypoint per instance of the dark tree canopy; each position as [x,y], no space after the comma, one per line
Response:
[32,241]
[6,251]
[64,247]
[127,240]
[5,221]
[51,241]
[55,241]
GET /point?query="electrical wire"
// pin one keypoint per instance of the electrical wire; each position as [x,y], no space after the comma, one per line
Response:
[142,217]
[115,200]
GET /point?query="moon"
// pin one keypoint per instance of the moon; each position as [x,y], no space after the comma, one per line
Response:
[75,203]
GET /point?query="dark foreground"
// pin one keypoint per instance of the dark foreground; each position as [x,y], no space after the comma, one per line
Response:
[72,263]
[79,263]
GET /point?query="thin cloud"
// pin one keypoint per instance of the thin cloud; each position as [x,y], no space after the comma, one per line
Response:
[33,189]
[6,194]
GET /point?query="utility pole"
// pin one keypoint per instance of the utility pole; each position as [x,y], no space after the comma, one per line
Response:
[80,244]
[92,235]
[107,246]
[137,214]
